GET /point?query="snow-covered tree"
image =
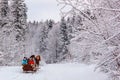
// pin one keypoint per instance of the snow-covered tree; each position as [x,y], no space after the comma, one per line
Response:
[69,28]
[101,19]
[4,13]
[50,23]
[52,44]
[62,49]
[43,39]
[19,18]
[4,8]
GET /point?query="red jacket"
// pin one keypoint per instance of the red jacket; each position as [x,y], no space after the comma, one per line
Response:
[31,62]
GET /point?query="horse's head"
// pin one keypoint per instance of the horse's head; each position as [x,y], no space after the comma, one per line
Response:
[38,57]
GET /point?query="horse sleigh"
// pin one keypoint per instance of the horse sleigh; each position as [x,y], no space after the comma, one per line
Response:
[27,68]
[30,68]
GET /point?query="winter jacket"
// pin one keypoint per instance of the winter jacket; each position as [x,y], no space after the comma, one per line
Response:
[24,61]
[31,62]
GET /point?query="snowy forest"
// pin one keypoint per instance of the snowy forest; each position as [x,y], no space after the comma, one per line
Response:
[88,32]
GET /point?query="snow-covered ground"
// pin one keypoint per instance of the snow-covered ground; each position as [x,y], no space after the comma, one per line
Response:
[54,72]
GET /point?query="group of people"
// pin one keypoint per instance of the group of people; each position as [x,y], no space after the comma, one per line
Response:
[32,61]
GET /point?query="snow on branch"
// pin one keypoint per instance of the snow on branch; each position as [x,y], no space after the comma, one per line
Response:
[108,9]
[108,57]
[77,6]
[114,17]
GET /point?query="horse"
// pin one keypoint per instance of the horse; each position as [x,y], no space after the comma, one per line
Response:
[38,59]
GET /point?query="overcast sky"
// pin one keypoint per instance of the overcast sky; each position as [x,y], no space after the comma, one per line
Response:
[42,10]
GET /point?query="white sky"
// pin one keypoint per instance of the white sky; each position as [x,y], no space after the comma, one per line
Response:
[42,10]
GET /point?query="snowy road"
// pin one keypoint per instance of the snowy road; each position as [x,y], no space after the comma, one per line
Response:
[54,72]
